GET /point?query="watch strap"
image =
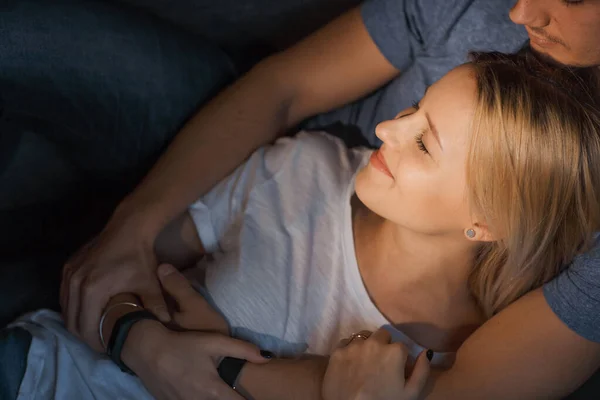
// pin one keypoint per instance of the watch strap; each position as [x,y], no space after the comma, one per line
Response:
[229,369]
[119,335]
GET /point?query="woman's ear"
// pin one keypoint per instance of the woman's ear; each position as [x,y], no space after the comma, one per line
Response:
[479,232]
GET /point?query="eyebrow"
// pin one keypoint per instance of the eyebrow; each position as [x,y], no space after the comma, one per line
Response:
[434,131]
[431,125]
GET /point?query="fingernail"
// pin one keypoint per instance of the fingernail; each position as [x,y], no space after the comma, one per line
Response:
[166,269]
[267,354]
[429,354]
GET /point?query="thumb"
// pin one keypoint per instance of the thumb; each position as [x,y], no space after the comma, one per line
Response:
[223,346]
[418,378]
[175,284]
[153,300]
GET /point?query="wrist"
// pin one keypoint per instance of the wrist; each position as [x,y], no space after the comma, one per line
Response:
[140,220]
[143,336]
[297,379]
[138,224]
[143,342]
[117,307]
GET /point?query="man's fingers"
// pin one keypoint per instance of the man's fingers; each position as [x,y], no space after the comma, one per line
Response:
[418,378]
[381,335]
[92,305]
[223,346]
[176,285]
[71,267]
[64,289]
[73,306]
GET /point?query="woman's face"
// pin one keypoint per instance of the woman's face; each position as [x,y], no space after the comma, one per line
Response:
[417,178]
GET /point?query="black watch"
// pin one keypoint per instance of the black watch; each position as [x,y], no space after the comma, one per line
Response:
[119,335]
[229,369]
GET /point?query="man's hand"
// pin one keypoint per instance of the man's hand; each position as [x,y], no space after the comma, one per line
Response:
[373,369]
[119,260]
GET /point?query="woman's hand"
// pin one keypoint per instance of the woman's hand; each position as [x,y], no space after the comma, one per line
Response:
[373,369]
[193,312]
[183,365]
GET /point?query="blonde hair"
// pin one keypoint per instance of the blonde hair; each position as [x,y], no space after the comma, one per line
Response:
[533,172]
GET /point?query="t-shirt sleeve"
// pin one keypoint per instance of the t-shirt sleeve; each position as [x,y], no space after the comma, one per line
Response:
[403,28]
[574,295]
[220,212]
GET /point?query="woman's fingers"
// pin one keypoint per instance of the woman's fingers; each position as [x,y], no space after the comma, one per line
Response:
[381,335]
[225,346]
[362,335]
[418,378]
[176,285]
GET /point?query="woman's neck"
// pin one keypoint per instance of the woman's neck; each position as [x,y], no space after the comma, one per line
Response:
[404,267]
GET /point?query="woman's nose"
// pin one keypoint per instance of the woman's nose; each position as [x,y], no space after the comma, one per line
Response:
[389,132]
[532,13]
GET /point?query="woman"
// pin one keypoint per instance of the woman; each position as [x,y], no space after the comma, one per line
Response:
[482,191]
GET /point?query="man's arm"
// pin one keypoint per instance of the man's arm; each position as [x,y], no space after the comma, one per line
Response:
[525,352]
[336,65]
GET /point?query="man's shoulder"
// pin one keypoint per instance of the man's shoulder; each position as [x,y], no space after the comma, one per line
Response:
[574,295]
[590,258]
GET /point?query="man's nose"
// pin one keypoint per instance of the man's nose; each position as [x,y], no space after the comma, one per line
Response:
[532,13]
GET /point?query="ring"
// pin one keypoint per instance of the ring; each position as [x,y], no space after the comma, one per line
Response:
[358,336]
[364,335]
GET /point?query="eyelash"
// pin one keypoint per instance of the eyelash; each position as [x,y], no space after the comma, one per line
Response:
[419,137]
[569,3]
[420,144]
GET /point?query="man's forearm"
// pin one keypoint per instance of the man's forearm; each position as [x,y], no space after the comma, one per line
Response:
[248,114]
[524,352]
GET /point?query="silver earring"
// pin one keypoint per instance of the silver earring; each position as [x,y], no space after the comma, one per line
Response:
[470,233]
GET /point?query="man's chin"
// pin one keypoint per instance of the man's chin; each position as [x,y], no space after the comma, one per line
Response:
[548,58]
[558,61]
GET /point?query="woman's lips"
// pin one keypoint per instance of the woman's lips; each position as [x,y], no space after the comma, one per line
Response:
[378,162]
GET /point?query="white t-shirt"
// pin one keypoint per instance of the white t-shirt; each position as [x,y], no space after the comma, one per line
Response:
[282,270]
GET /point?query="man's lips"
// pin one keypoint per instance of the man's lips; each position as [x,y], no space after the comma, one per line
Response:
[540,40]
[378,162]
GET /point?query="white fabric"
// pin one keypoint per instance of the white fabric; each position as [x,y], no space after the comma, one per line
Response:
[59,366]
[283,270]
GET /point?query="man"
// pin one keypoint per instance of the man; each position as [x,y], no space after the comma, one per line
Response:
[389,51]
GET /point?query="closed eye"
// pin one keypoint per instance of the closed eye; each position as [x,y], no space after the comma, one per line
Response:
[420,144]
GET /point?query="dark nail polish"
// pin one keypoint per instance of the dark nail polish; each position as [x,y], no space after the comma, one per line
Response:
[429,354]
[267,354]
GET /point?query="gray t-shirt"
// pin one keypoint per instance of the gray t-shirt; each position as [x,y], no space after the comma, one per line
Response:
[424,39]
